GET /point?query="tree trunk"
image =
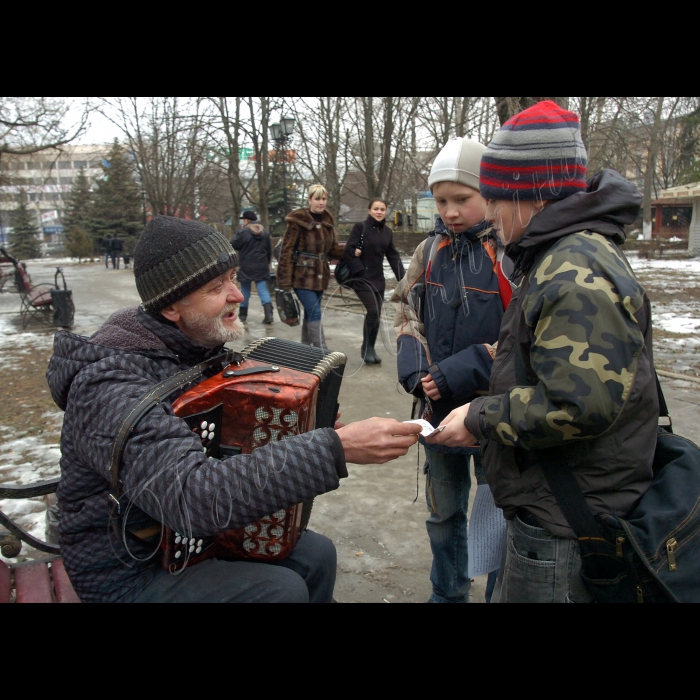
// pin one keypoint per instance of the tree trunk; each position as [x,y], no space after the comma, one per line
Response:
[414,178]
[651,167]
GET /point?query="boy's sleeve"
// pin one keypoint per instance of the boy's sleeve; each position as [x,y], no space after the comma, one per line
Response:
[413,357]
[465,373]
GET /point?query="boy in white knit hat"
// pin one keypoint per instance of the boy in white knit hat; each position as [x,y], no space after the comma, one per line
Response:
[449,310]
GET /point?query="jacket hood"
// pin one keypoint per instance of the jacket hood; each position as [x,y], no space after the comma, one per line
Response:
[609,203]
[302,217]
[256,229]
[125,331]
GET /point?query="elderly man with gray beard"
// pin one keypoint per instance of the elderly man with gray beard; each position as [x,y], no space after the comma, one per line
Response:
[184,274]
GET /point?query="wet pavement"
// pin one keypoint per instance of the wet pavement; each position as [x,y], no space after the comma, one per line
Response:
[378,529]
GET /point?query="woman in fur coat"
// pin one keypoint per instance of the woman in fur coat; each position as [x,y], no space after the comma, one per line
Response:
[309,242]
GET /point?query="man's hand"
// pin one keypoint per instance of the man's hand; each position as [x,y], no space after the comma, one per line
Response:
[358,252]
[430,388]
[454,433]
[338,423]
[377,440]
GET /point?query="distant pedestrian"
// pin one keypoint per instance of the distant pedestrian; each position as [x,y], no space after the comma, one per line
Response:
[115,250]
[254,252]
[370,241]
[107,242]
[309,242]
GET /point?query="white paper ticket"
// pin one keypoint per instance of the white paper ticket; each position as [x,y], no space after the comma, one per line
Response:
[427,429]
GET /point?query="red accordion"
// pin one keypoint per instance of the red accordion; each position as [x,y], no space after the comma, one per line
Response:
[278,390]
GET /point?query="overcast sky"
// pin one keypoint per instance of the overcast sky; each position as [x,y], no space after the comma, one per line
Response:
[100,130]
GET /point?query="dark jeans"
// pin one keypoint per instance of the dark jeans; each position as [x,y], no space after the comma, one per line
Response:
[115,260]
[306,576]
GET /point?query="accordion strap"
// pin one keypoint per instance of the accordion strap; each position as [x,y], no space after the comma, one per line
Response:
[141,407]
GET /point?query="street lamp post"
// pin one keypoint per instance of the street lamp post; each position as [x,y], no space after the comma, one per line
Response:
[282,136]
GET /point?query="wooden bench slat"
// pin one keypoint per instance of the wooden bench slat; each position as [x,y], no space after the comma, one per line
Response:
[33,583]
[62,585]
[39,298]
[4,583]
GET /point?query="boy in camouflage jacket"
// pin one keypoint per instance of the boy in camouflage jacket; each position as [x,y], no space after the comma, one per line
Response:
[574,370]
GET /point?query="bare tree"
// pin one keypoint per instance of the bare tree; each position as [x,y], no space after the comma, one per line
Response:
[322,131]
[32,124]
[230,123]
[380,126]
[510,106]
[167,138]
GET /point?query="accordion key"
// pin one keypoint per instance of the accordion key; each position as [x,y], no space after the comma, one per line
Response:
[280,389]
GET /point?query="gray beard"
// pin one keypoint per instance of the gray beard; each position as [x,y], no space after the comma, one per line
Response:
[210,332]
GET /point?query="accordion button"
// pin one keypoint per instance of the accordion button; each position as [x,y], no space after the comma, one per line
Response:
[318,225]
[198,550]
[212,426]
[200,543]
[192,541]
[178,555]
[204,434]
[204,425]
[178,539]
[191,549]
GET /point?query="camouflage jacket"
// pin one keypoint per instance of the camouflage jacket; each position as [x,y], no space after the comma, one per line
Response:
[573,375]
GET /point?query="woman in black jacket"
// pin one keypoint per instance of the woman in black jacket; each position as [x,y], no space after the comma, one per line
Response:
[365,250]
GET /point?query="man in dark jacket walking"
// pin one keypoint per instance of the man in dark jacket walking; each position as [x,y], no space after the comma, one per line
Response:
[115,250]
[573,377]
[185,274]
[254,253]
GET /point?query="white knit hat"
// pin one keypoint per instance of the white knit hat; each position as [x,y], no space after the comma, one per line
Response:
[458,161]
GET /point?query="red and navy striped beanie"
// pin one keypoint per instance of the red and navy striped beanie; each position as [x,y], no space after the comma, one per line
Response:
[537,154]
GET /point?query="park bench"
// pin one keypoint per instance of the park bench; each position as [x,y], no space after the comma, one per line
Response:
[38,581]
[46,303]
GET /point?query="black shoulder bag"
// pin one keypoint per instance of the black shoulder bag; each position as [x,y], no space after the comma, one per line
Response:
[345,270]
[652,555]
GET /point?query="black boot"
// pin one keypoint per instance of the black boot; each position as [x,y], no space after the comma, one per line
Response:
[370,331]
[268,313]
[242,313]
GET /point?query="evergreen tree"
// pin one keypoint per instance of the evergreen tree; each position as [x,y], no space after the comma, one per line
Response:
[25,241]
[116,205]
[78,204]
[79,243]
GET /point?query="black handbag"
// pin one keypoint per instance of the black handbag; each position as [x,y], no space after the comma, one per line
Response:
[287,307]
[347,270]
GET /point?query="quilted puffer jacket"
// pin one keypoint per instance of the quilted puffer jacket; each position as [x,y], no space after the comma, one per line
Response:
[166,475]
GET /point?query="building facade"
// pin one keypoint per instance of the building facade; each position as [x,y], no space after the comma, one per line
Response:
[47,178]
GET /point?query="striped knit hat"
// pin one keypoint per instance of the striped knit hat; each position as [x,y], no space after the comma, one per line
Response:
[537,154]
[176,256]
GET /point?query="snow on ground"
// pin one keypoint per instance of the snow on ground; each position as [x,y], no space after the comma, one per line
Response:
[20,342]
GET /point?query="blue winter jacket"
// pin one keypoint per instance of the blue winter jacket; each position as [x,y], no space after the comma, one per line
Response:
[449,312]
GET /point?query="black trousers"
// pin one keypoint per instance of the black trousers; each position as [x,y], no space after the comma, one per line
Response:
[371,299]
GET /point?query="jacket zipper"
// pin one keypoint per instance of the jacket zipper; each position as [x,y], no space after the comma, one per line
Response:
[671,551]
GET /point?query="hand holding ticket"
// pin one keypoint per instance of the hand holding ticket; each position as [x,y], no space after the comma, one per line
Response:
[427,429]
